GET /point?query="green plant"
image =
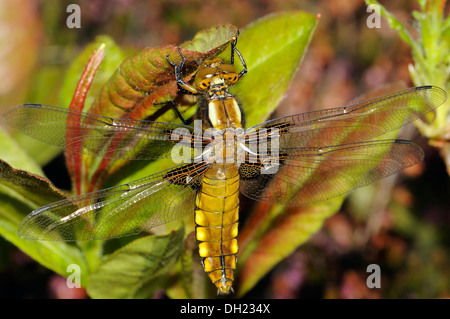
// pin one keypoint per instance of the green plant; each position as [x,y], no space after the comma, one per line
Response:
[430,51]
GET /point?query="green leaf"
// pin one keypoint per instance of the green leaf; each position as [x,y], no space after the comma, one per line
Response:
[208,40]
[12,153]
[192,282]
[272,60]
[20,193]
[138,269]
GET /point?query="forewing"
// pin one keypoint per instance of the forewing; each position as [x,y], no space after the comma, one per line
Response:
[118,211]
[311,175]
[97,135]
[354,123]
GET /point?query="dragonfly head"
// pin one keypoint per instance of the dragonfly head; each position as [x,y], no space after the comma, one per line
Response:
[211,71]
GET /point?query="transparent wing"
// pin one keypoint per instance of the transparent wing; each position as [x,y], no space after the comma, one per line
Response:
[312,175]
[353,123]
[97,135]
[118,211]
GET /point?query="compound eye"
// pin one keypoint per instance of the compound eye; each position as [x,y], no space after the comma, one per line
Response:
[231,78]
[229,73]
[206,72]
[204,84]
[227,68]
[203,77]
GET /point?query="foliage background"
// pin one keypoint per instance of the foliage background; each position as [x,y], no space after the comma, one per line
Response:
[401,223]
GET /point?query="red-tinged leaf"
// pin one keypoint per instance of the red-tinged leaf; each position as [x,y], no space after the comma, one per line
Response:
[78,93]
[74,159]
[113,56]
[143,80]
[87,78]
[287,232]
[147,78]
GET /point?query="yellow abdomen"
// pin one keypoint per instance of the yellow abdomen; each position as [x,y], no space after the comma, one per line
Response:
[216,219]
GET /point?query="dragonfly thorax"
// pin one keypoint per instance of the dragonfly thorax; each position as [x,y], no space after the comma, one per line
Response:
[218,88]
[225,147]
[224,113]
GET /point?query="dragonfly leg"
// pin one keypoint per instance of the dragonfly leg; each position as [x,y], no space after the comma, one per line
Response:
[177,112]
[183,86]
[235,50]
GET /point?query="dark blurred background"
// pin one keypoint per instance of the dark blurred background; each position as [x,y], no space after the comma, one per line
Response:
[401,223]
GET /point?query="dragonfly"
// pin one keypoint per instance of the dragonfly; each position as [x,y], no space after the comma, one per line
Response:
[295,160]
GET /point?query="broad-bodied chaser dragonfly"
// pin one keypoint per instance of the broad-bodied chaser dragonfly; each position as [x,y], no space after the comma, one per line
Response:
[294,160]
